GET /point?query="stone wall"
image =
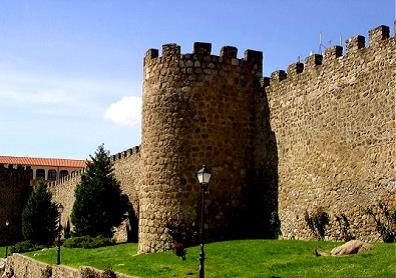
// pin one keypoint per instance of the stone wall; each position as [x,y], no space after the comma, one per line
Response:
[197,109]
[18,266]
[334,124]
[127,172]
[14,192]
[321,135]
[63,193]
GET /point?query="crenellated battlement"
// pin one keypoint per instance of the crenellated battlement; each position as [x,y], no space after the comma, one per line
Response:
[14,172]
[15,167]
[333,121]
[124,154]
[379,37]
[114,158]
[187,99]
[75,175]
[319,134]
[202,53]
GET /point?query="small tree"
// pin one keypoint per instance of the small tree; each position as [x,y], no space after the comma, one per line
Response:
[100,204]
[40,216]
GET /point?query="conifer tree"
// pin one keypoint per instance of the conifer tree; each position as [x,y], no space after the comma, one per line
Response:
[99,203]
[40,216]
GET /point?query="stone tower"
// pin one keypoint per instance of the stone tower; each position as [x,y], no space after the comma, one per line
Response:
[197,109]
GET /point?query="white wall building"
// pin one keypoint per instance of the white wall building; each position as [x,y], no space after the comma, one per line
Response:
[50,169]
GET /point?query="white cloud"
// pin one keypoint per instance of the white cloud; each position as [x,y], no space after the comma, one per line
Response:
[125,112]
[62,97]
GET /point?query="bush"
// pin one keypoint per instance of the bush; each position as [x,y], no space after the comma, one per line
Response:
[317,222]
[25,246]
[182,235]
[88,242]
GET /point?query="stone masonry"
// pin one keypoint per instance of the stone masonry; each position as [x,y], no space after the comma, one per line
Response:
[14,192]
[127,172]
[18,266]
[334,122]
[197,109]
[319,135]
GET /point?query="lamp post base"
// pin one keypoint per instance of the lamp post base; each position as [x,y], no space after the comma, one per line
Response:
[202,262]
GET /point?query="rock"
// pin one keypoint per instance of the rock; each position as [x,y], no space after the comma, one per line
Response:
[2,267]
[319,253]
[351,247]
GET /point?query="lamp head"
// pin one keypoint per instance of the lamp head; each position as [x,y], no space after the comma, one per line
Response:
[204,175]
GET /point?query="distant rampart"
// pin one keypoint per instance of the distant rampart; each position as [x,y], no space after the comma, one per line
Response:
[14,192]
[126,169]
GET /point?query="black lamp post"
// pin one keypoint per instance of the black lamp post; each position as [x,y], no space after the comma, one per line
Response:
[60,210]
[7,223]
[126,214]
[203,176]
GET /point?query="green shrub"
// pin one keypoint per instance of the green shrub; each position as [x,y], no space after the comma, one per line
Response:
[25,246]
[183,236]
[88,242]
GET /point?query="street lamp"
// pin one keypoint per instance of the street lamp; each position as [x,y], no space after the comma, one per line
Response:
[203,176]
[7,223]
[60,210]
[127,223]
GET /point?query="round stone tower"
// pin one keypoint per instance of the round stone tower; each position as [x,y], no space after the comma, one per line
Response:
[197,109]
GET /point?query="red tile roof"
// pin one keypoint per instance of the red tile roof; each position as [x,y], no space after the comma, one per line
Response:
[35,161]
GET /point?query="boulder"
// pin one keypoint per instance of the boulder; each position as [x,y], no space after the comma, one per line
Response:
[351,247]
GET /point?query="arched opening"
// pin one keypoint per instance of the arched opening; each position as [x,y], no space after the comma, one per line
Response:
[63,173]
[40,174]
[51,174]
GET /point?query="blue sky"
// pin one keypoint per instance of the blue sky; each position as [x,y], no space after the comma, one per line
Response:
[71,71]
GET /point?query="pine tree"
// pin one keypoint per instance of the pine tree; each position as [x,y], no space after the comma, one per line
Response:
[99,203]
[40,217]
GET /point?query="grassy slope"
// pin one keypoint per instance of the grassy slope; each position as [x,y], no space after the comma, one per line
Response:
[244,258]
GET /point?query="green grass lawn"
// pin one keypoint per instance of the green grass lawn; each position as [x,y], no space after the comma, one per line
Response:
[240,258]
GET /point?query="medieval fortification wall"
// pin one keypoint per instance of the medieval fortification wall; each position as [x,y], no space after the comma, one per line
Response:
[321,134]
[126,170]
[334,123]
[198,109]
[14,192]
